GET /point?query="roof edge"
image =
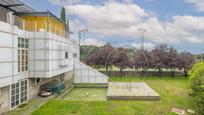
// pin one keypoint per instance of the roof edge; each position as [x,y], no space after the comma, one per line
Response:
[46,13]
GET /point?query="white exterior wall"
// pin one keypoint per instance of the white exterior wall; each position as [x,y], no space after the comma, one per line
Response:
[47,54]
[8,54]
[46,58]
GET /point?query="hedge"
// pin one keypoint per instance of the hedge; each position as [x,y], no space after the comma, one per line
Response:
[197,85]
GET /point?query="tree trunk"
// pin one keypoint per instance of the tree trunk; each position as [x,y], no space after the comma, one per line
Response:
[185,73]
[110,70]
[121,69]
[160,72]
[173,72]
[107,70]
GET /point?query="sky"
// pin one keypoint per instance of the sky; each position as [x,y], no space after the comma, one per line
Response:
[178,23]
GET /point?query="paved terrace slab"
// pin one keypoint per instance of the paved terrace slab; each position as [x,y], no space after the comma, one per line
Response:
[131,91]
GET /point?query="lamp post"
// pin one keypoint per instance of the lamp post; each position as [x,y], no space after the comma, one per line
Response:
[142,30]
[80,32]
[201,55]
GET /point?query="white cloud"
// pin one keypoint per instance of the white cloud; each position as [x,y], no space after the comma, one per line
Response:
[199,4]
[64,2]
[121,19]
[93,41]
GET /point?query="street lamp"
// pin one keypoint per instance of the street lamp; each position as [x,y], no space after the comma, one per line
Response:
[201,55]
[84,32]
[142,30]
[80,32]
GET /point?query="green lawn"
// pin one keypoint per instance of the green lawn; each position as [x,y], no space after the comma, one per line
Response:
[173,91]
[87,94]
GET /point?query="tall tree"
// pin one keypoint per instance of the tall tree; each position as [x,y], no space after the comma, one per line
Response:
[185,62]
[120,58]
[103,57]
[160,55]
[141,60]
[172,59]
[63,14]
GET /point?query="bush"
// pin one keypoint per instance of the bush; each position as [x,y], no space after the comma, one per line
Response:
[197,85]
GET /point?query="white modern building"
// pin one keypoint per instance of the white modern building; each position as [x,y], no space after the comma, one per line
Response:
[35,48]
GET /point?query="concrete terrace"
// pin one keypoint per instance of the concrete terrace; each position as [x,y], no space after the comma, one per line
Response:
[131,91]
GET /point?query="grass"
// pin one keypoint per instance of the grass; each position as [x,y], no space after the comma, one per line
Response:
[91,85]
[24,107]
[173,91]
[87,94]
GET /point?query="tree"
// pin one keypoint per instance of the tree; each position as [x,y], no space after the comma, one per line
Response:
[63,14]
[120,58]
[185,62]
[141,60]
[103,57]
[159,57]
[197,81]
[172,60]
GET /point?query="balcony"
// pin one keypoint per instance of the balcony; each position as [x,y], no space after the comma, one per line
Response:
[4,15]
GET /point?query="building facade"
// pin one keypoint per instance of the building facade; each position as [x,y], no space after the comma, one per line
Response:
[35,48]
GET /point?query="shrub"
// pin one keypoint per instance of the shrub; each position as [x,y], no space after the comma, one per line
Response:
[197,85]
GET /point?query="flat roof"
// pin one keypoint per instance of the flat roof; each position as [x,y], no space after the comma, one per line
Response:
[38,14]
[20,9]
[16,6]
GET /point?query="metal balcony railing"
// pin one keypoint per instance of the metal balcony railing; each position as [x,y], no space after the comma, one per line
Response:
[18,22]
[3,15]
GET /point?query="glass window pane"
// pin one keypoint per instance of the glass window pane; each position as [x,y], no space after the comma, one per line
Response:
[13,104]
[17,102]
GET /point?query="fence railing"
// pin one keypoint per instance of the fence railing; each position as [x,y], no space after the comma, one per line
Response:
[140,73]
[18,22]
[3,15]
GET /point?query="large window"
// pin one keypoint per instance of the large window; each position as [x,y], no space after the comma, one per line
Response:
[19,93]
[23,95]
[15,94]
[22,54]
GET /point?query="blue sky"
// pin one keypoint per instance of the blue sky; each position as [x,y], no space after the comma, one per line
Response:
[179,23]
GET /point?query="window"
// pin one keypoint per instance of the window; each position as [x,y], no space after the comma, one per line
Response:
[23,43]
[22,54]
[23,94]
[19,93]
[75,55]
[15,94]
[66,55]
[36,80]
